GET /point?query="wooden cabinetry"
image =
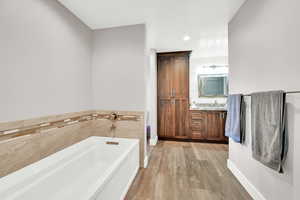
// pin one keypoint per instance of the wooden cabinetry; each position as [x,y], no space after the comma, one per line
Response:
[175,120]
[208,125]
[198,125]
[173,95]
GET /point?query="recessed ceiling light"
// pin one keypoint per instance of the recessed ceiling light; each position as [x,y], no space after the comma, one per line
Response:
[186,38]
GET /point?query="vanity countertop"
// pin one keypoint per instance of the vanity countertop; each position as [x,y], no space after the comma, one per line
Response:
[208,108]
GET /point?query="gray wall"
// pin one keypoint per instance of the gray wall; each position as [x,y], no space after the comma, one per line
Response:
[119,68]
[45,58]
[264,55]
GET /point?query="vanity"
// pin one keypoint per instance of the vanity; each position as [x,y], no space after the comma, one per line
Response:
[208,125]
[207,120]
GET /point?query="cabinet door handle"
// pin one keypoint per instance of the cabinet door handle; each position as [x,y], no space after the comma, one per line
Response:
[173,92]
[223,115]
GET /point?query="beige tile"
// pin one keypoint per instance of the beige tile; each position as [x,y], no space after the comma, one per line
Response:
[19,152]
[30,122]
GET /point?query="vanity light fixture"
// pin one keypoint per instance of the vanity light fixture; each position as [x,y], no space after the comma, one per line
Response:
[186,38]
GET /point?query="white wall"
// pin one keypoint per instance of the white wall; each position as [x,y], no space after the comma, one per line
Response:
[264,55]
[152,94]
[119,68]
[45,57]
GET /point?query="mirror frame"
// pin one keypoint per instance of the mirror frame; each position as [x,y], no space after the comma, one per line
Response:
[200,85]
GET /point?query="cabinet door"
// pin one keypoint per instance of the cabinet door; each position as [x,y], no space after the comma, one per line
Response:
[181,95]
[166,126]
[180,77]
[164,77]
[215,126]
[182,128]
[198,125]
[164,95]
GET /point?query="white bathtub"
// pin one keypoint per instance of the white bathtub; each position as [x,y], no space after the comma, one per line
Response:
[89,170]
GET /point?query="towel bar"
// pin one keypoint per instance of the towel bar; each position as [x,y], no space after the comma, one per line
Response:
[290,92]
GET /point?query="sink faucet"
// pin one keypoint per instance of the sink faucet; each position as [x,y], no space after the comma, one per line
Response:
[215,103]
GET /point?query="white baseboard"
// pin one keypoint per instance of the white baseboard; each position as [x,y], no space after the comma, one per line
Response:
[251,189]
[153,141]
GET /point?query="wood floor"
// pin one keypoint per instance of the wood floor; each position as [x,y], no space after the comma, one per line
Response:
[187,171]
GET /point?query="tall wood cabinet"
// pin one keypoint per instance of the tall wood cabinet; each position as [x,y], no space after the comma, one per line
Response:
[173,94]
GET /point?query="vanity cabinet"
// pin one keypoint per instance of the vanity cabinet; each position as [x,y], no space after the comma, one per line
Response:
[208,125]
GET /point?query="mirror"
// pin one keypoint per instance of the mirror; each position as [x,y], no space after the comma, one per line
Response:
[215,85]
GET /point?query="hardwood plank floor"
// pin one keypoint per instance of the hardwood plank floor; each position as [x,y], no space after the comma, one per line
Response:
[187,171]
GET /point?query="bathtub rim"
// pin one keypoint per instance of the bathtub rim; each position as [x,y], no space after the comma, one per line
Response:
[101,182]
[41,167]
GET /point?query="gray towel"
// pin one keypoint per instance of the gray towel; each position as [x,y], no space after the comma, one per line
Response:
[243,120]
[235,118]
[269,139]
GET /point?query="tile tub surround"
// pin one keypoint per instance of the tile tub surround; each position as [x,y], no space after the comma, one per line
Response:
[18,152]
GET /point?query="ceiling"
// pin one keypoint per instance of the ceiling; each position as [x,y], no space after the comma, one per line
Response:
[168,21]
